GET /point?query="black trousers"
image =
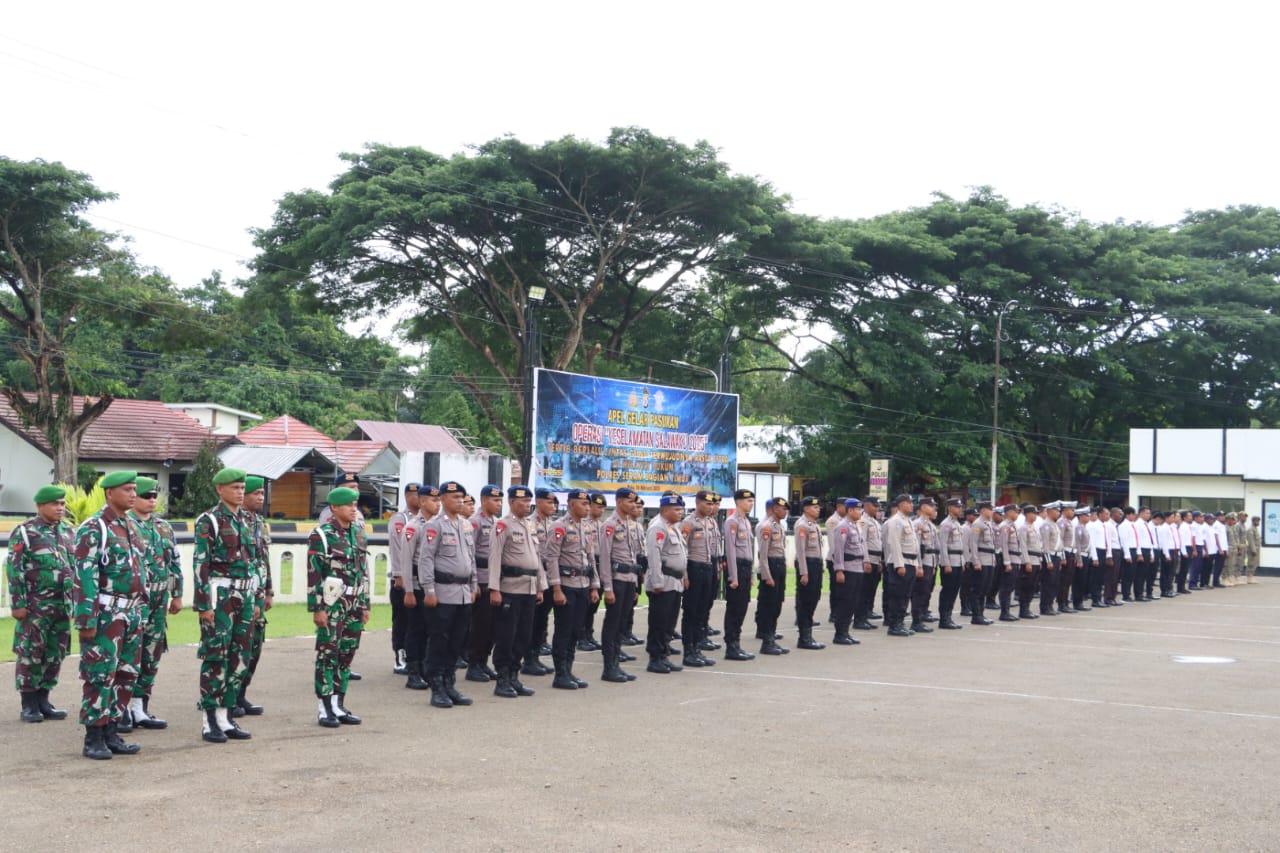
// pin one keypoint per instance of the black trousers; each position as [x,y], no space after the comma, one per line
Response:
[808,595]
[663,609]
[1169,572]
[897,594]
[1066,574]
[1219,560]
[973,586]
[629,618]
[673,619]
[615,615]
[1097,574]
[1128,571]
[867,594]
[417,629]
[697,603]
[1147,569]
[399,619]
[736,602]
[1028,582]
[512,627]
[922,592]
[568,621]
[951,582]
[1006,582]
[1111,575]
[844,599]
[1049,583]
[481,628]
[1080,583]
[769,598]
[541,617]
[450,625]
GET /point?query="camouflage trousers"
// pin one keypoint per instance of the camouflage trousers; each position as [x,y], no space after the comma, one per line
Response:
[336,647]
[257,636]
[224,649]
[155,622]
[40,642]
[109,665]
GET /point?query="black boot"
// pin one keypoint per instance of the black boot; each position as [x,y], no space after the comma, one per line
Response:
[533,666]
[735,652]
[946,624]
[693,659]
[439,695]
[771,647]
[230,727]
[245,706]
[919,626]
[582,685]
[658,664]
[116,744]
[863,625]
[979,619]
[563,681]
[475,672]
[514,675]
[504,689]
[842,638]
[808,642]
[212,732]
[1006,616]
[95,746]
[30,709]
[415,681]
[344,716]
[488,670]
[325,715]
[612,672]
[896,630]
[123,726]
[450,687]
[46,708]
[1025,612]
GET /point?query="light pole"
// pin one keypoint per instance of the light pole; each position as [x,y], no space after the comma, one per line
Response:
[995,402]
[531,355]
[700,369]
[722,383]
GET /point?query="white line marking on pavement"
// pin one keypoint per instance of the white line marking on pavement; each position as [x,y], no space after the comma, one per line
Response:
[1158,634]
[1179,622]
[1001,693]
[1004,641]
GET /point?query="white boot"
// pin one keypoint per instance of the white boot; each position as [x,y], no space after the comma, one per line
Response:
[325,715]
[229,727]
[136,712]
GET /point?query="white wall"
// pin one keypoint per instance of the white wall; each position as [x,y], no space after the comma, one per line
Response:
[1254,453]
[469,469]
[23,470]
[1189,451]
[1141,451]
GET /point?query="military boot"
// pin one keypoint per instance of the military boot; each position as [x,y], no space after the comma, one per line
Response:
[771,647]
[919,626]
[244,706]
[533,666]
[230,727]
[211,731]
[612,672]
[95,746]
[503,689]
[46,708]
[1006,616]
[117,744]
[734,651]
[475,672]
[401,666]
[30,709]
[450,687]
[439,695]
[808,642]
[658,665]
[141,717]
[563,680]
[125,724]
[324,713]
[946,623]
[415,681]
[514,674]
[340,711]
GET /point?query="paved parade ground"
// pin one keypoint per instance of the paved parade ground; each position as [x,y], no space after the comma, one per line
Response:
[1080,732]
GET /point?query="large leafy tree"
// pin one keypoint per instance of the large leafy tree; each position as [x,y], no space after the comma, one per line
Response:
[615,233]
[64,276]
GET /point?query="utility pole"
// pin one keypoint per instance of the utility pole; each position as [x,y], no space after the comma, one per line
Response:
[995,402]
[532,360]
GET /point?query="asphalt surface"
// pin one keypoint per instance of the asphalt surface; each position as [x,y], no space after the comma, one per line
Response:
[1080,732]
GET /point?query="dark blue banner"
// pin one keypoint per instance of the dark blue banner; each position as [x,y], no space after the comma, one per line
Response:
[595,433]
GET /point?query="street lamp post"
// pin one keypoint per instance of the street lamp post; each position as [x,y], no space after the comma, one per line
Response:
[722,384]
[995,402]
[700,369]
[531,357]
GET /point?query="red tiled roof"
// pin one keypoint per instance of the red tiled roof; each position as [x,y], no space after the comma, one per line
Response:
[355,455]
[129,429]
[288,431]
[410,437]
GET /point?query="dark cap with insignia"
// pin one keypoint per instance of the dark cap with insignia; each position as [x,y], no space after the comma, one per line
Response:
[347,478]
[624,493]
[597,499]
[928,502]
[543,493]
[670,500]
[412,488]
[429,491]
[519,492]
[970,510]
[708,495]
[984,504]
[903,498]
[452,487]
[743,494]
[871,501]
[490,491]
[955,502]
[1030,507]
[810,501]
[578,495]
[852,503]
[782,502]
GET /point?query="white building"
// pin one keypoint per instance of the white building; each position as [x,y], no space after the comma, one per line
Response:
[1210,470]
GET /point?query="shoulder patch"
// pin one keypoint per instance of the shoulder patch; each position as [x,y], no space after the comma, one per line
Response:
[399,528]
[432,533]
[559,533]
[660,536]
[501,527]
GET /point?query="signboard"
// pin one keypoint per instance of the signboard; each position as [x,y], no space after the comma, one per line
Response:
[595,433]
[1270,523]
[879,479]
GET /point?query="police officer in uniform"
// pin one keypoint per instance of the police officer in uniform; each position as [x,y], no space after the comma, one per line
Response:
[665,579]
[771,543]
[901,566]
[482,614]
[566,556]
[545,506]
[587,642]
[740,553]
[1032,549]
[620,541]
[982,570]
[702,536]
[952,554]
[399,566]
[810,554]
[515,590]
[849,562]
[930,558]
[447,575]
[871,533]
[417,618]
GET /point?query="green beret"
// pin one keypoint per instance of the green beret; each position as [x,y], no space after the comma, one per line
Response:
[118,478]
[146,484]
[228,475]
[49,494]
[253,484]
[342,495]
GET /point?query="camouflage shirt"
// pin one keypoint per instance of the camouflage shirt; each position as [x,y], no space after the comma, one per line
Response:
[110,567]
[224,549]
[39,563]
[261,544]
[160,562]
[336,553]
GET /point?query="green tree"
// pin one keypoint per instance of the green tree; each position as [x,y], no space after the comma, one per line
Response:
[198,491]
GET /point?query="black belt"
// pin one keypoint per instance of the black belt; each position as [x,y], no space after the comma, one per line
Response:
[856,558]
[672,573]
[574,572]
[910,556]
[1036,553]
[934,551]
[949,551]
[517,572]
[444,578]
[876,553]
[482,562]
[624,568]
[701,565]
[986,550]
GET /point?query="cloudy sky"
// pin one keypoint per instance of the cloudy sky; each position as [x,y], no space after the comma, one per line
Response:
[201,115]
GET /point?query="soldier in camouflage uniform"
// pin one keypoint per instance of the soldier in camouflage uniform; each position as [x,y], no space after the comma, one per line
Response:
[163,574]
[338,598]
[39,567]
[225,561]
[107,599]
[255,496]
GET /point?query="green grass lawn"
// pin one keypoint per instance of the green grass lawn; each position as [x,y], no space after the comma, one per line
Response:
[285,620]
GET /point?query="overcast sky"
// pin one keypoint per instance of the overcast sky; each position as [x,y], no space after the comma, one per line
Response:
[201,115]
